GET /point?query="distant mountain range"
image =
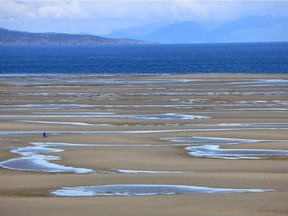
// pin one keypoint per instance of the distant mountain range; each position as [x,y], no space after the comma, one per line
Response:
[249,29]
[8,37]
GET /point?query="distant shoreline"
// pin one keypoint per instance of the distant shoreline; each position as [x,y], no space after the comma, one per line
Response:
[141,44]
[3,74]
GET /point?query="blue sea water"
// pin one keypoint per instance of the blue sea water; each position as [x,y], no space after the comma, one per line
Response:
[144,59]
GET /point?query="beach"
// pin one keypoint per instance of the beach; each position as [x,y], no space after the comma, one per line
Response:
[221,131]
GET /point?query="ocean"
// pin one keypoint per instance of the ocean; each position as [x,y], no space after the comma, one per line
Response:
[146,59]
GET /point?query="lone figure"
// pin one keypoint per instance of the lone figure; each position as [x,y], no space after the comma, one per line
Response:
[44,134]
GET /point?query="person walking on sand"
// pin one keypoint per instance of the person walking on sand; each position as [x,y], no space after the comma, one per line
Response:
[44,134]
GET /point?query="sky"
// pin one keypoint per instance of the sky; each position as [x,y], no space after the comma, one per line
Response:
[102,16]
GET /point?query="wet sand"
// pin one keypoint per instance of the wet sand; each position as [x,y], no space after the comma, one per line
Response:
[125,122]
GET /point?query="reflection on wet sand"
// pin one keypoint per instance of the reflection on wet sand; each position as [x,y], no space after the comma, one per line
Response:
[212,148]
[33,159]
[125,117]
[161,116]
[145,190]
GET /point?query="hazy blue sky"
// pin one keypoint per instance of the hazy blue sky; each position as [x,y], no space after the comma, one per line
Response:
[100,17]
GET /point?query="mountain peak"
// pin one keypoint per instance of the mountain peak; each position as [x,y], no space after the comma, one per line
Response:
[181,32]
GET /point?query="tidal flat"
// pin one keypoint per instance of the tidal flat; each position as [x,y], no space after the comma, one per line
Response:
[151,144]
